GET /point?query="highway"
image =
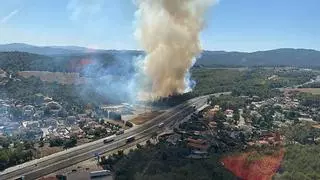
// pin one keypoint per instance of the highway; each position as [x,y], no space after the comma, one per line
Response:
[49,164]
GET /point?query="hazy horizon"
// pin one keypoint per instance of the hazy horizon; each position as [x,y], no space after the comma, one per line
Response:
[245,26]
[65,47]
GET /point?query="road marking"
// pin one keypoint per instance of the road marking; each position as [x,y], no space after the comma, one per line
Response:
[30,164]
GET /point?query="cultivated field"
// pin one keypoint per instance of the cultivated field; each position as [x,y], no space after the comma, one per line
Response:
[59,77]
[310,90]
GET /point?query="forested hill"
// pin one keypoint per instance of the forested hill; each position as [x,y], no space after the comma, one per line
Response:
[55,50]
[277,57]
[43,50]
[122,60]
[22,61]
[111,62]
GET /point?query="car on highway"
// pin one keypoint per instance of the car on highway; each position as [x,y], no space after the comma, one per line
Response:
[160,125]
[66,159]
[20,178]
[96,174]
[130,139]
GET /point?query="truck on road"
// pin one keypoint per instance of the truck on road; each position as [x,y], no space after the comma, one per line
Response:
[109,139]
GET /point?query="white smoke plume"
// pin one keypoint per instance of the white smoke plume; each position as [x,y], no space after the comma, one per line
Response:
[168,31]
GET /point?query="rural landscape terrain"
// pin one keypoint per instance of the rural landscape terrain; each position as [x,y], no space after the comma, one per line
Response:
[159,90]
[264,124]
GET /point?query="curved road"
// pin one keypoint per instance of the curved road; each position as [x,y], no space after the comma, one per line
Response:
[49,164]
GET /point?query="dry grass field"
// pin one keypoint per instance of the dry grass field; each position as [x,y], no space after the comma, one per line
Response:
[142,118]
[315,91]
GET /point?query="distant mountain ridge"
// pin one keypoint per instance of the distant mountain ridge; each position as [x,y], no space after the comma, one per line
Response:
[45,50]
[276,57]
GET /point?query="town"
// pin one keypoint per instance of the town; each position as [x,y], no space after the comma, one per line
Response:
[228,122]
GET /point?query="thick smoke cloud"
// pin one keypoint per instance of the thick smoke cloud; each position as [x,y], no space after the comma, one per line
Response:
[114,78]
[168,32]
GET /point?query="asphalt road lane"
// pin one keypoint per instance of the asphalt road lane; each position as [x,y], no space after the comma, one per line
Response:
[47,165]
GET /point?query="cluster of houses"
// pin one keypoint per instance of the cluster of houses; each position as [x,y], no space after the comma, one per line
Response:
[287,103]
[46,118]
[202,130]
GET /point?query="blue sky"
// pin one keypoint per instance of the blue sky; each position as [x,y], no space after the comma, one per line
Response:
[233,25]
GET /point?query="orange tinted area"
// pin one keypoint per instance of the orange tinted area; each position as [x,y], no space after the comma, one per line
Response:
[262,168]
[86,61]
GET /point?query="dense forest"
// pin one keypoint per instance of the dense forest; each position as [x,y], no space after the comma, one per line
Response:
[302,159]
[91,65]
[248,82]
[307,99]
[276,57]
[301,162]
[71,96]
[162,161]
[254,81]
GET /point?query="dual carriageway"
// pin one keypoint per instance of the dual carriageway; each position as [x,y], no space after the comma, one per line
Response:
[40,167]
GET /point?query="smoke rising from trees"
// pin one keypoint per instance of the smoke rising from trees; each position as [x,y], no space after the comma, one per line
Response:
[168,31]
